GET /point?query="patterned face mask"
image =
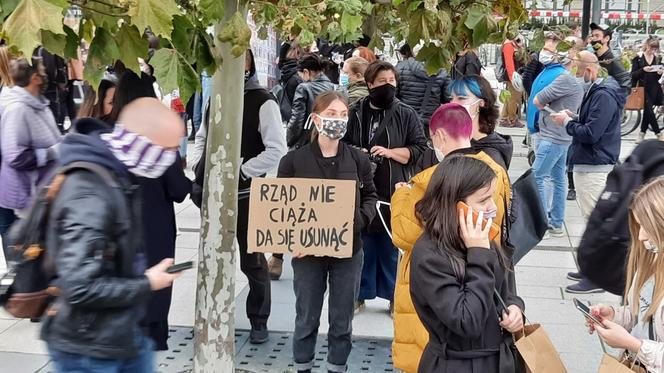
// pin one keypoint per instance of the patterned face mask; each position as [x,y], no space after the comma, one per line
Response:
[138,153]
[334,128]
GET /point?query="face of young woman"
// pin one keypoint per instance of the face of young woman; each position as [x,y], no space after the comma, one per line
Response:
[482,199]
[336,110]
[108,101]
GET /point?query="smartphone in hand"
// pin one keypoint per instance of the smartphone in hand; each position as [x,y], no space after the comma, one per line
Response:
[175,268]
[585,310]
[493,231]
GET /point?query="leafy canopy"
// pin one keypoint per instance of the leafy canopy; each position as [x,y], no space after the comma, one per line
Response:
[116,29]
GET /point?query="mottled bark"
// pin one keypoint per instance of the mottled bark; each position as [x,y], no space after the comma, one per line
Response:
[214,329]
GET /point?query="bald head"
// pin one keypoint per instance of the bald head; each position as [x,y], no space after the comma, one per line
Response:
[150,118]
[587,66]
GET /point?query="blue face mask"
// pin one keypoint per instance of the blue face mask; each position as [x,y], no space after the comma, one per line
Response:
[344,80]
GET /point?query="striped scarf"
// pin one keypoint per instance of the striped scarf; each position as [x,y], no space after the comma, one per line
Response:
[138,153]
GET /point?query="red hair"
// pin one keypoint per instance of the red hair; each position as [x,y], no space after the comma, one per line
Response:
[453,119]
[367,54]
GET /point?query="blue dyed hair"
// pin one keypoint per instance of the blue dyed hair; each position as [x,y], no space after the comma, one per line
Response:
[461,87]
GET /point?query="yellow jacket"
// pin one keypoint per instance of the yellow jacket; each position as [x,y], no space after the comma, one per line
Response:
[410,336]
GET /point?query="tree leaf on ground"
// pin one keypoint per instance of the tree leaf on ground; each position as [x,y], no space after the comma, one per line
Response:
[24,25]
[172,72]
[132,46]
[103,51]
[155,14]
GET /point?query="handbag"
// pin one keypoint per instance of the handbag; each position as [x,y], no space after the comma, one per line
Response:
[537,350]
[636,98]
[610,364]
[528,222]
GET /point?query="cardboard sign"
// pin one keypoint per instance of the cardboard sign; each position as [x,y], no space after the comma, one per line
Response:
[311,216]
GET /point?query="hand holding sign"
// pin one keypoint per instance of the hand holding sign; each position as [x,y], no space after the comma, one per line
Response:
[302,216]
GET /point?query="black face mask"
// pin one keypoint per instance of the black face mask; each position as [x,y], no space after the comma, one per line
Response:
[383,96]
[597,45]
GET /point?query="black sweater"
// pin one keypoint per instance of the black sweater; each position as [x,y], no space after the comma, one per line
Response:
[349,164]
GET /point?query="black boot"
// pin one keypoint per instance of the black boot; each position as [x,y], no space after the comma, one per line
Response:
[258,335]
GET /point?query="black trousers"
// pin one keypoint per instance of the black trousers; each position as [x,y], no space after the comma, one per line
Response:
[649,118]
[254,266]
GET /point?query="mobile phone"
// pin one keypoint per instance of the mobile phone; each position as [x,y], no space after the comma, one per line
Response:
[585,310]
[493,231]
[548,109]
[175,268]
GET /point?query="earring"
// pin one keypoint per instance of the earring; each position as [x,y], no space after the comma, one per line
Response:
[651,247]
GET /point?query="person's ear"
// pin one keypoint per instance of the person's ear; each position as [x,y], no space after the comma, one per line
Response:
[481,103]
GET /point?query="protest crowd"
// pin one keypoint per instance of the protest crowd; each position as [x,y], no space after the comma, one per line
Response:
[436,225]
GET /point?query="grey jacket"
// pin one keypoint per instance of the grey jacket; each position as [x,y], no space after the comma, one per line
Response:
[28,134]
[564,93]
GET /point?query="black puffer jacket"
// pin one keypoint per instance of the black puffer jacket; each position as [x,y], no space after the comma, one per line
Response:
[349,164]
[533,69]
[466,65]
[303,102]
[420,91]
[94,236]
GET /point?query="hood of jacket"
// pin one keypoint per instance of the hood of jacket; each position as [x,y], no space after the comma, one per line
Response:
[86,145]
[612,87]
[288,69]
[10,95]
[252,84]
[496,143]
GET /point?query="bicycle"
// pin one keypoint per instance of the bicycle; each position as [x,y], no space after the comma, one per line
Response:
[626,127]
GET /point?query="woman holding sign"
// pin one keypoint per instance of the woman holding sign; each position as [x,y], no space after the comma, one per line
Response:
[325,157]
[455,271]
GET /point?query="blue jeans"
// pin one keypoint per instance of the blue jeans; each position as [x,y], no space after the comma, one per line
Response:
[551,164]
[379,272]
[73,363]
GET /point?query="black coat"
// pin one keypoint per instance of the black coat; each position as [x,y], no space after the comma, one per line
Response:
[616,69]
[402,131]
[349,164]
[650,81]
[466,65]
[533,69]
[421,91]
[303,102]
[459,311]
[94,236]
[160,231]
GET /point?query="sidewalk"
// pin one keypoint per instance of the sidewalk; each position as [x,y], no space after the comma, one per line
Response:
[540,278]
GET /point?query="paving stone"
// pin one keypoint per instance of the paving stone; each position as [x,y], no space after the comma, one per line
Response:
[22,363]
[22,337]
[542,276]
[546,258]
[546,292]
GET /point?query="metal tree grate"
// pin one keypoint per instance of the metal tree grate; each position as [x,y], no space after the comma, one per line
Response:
[276,355]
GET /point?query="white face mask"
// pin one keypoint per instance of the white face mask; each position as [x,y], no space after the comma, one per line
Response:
[439,154]
[468,107]
[491,214]
[546,57]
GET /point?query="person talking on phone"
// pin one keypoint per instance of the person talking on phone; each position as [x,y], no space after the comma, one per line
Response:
[638,326]
[647,69]
[325,157]
[456,270]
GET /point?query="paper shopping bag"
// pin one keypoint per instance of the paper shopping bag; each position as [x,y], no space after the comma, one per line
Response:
[537,351]
[610,364]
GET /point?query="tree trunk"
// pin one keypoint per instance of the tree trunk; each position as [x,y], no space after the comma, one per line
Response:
[214,328]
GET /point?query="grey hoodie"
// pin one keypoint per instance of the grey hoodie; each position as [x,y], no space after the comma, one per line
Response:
[564,93]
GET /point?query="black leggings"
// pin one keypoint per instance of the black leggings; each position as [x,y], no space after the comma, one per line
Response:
[649,119]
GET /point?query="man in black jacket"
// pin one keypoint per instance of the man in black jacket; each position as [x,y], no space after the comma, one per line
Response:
[600,39]
[95,240]
[391,133]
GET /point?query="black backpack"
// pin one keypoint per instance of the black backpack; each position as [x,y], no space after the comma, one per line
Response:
[602,253]
[25,290]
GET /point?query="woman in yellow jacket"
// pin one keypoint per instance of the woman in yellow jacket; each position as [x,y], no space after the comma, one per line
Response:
[451,131]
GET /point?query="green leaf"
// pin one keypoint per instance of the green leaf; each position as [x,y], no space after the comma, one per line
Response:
[54,43]
[87,30]
[476,13]
[204,58]
[174,72]
[103,51]
[212,9]
[132,46]
[8,7]
[431,5]
[350,23]
[24,25]
[155,14]
[72,42]
[414,5]
[183,35]
[480,32]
